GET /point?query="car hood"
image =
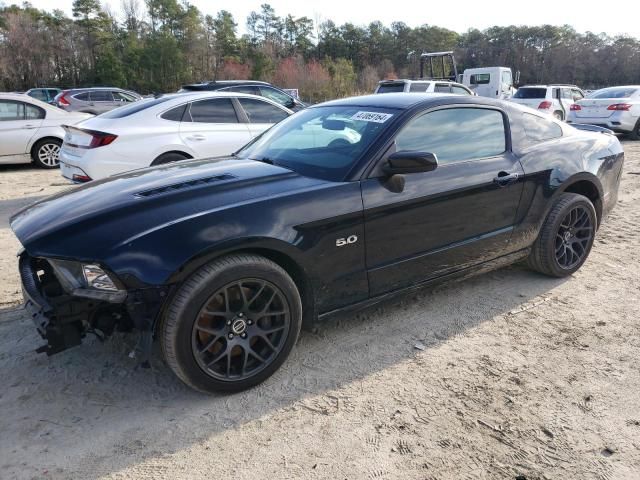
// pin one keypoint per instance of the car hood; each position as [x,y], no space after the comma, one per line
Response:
[86,221]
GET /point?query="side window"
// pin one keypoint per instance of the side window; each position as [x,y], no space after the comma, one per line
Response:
[459,90]
[480,79]
[123,97]
[455,134]
[175,114]
[554,93]
[442,88]
[566,94]
[33,113]
[576,95]
[278,97]
[506,78]
[52,93]
[101,96]
[539,129]
[39,95]
[215,110]
[418,87]
[82,96]
[11,111]
[262,112]
[246,89]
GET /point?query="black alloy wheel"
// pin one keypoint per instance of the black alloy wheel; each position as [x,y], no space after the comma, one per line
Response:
[574,237]
[241,328]
[565,237]
[231,324]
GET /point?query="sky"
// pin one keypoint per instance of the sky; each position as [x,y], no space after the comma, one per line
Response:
[620,17]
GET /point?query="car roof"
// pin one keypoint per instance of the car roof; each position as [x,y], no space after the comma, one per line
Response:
[404,101]
[97,88]
[23,97]
[226,83]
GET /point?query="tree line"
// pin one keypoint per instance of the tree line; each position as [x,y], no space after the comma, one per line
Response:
[158,45]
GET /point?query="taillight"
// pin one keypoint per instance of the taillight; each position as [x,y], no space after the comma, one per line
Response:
[100,139]
[575,107]
[544,105]
[619,106]
[63,100]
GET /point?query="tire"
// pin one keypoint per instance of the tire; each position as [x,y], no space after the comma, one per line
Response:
[572,223]
[558,115]
[169,158]
[635,134]
[228,298]
[46,153]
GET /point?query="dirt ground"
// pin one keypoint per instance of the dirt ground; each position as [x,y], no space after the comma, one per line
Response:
[518,377]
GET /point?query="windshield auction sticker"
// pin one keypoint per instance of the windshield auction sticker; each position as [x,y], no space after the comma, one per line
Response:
[375,117]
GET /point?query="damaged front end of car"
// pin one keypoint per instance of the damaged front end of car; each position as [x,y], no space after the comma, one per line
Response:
[67,299]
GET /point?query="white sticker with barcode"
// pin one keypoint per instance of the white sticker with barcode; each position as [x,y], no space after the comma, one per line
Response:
[375,117]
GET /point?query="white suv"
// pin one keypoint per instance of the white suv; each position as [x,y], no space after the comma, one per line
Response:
[422,86]
[553,100]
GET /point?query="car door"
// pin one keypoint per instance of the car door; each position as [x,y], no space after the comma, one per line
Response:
[101,101]
[19,122]
[566,100]
[261,114]
[211,128]
[458,215]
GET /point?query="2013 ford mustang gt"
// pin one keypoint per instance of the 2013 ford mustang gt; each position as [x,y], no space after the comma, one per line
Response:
[337,207]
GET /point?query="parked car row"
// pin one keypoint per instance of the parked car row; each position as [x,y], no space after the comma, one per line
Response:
[165,129]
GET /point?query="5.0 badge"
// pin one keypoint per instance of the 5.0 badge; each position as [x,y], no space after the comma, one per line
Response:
[341,242]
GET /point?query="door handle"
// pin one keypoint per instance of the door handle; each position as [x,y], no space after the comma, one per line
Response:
[505,178]
[197,138]
[29,126]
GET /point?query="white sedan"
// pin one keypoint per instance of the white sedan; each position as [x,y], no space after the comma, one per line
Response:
[165,129]
[31,130]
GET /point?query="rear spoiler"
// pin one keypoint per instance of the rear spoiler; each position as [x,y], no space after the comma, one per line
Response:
[592,128]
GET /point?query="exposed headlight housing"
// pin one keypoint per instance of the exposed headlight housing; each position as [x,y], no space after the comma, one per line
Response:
[87,280]
[96,277]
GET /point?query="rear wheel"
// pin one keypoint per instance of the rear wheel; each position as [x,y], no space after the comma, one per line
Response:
[635,134]
[558,115]
[232,324]
[169,157]
[46,153]
[566,237]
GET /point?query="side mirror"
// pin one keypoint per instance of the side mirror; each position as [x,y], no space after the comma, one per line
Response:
[404,162]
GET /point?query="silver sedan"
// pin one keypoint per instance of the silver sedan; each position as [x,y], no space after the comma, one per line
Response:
[615,108]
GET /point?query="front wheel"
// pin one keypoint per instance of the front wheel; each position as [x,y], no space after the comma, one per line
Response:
[566,237]
[231,324]
[46,153]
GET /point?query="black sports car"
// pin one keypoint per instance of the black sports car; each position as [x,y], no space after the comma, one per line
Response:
[342,205]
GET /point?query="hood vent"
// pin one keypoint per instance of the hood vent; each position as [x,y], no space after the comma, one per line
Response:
[199,182]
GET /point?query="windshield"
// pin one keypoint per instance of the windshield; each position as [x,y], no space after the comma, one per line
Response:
[616,92]
[524,92]
[320,142]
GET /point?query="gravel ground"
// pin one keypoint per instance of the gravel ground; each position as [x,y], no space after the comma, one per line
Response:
[518,377]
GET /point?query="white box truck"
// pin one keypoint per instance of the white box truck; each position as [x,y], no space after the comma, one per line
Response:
[492,82]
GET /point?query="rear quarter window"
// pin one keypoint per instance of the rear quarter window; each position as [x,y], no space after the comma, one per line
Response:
[539,129]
